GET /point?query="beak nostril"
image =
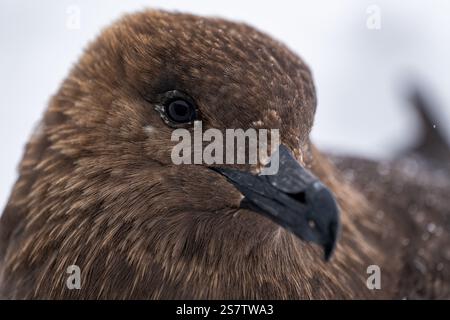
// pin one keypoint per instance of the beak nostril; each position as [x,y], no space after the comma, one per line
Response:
[300,197]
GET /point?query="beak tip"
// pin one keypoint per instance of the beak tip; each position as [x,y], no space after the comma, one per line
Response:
[330,246]
[328,252]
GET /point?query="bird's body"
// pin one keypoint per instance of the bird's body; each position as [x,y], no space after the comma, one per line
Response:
[416,199]
[97,188]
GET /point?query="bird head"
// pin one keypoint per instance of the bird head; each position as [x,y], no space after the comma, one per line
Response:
[155,72]
[108,139]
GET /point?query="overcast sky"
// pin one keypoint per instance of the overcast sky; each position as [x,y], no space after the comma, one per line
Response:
[362,53]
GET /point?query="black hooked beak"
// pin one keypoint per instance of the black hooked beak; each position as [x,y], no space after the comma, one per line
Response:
[293,198]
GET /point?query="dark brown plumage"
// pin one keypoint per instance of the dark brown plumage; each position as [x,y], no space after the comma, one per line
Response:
[97,187]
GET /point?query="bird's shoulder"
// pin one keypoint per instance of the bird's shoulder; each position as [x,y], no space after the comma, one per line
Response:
[414,195]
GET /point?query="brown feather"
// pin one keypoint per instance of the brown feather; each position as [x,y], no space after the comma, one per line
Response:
[98,190]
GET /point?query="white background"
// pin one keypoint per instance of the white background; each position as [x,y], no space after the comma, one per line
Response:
[361,74]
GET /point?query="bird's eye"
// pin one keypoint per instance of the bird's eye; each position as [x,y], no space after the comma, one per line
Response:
[177,108]
[180,111]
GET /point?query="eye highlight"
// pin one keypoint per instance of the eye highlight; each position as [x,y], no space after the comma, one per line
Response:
[177,108]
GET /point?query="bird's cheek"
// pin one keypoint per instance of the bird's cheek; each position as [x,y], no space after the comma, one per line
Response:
[215,195]
[231,196]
